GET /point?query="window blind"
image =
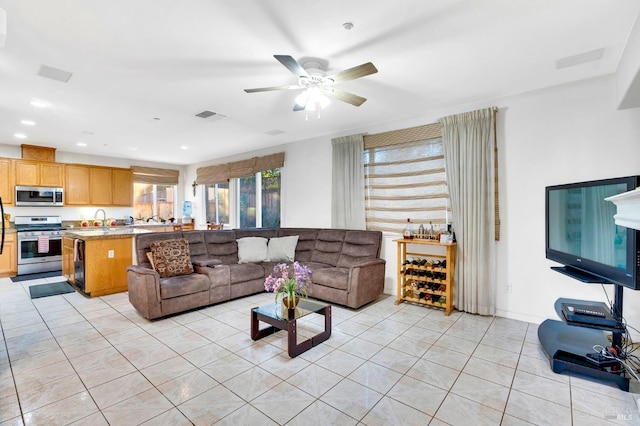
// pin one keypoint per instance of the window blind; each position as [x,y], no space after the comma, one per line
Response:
[405,180]
[151,175]
[223,172]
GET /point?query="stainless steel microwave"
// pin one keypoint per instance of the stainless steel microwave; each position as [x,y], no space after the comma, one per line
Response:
[39,196]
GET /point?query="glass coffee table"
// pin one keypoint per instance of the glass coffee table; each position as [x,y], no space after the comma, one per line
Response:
[273,315]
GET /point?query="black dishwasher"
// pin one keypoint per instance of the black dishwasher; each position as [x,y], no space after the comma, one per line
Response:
[78,263]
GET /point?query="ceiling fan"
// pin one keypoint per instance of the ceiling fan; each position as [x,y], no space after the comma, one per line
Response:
[316,86]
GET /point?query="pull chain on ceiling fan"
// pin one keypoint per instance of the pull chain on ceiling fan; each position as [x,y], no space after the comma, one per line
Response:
[316,85]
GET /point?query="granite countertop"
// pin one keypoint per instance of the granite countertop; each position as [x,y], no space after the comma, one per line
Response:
[102,234]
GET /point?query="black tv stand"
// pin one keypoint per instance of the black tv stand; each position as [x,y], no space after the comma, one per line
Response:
[568,343]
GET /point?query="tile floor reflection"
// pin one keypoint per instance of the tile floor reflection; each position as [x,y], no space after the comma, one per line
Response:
[71,360]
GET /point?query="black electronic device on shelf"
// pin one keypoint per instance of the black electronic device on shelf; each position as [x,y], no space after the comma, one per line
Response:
[581,235]
[588,314]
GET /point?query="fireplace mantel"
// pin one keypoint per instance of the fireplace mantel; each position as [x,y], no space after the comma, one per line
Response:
[628,204]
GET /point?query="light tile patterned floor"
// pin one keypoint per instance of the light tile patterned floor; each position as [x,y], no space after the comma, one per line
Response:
[71,360]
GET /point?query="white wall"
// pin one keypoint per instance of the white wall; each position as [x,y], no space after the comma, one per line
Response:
[559,135]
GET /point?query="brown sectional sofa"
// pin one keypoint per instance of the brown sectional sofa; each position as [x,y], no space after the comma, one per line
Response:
[346,265]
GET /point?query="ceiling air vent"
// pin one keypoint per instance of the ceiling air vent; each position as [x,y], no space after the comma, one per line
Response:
[54,73]
[209,114]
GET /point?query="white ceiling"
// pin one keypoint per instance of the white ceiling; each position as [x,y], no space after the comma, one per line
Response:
[137,60]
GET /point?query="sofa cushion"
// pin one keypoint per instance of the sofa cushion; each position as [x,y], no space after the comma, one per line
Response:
[331,277]
[183,284]
[282,249]
[328,246]
[222,245]
[359,246]
[306,241]
[171,257]
[246,272]
[252,249]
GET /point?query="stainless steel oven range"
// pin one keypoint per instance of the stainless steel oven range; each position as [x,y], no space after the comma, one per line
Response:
[39,243]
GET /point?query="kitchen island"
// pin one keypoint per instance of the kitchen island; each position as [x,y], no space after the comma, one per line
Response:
[95,261]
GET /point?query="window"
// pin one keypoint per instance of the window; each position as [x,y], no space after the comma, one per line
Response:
[153,201]
[256,197]
[406,180]
[217,207]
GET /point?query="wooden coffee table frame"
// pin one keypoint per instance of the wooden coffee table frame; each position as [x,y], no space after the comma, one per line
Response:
[290,326]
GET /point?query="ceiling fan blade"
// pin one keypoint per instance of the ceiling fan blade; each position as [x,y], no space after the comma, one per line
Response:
[292,65]
[347,97]
[353,73]
[268,89]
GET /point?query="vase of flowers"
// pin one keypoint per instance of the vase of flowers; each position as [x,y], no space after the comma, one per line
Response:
[289,282]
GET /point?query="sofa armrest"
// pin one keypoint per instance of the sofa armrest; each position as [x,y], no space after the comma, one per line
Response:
[208,262]
[366,282]
[144,290]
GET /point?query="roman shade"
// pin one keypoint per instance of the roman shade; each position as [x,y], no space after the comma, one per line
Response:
[151,175]
[220,173]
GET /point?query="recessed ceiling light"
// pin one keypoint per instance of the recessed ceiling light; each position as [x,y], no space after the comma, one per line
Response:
[28,122]
[184,147]
[38,103]
[81,144]
[20,135]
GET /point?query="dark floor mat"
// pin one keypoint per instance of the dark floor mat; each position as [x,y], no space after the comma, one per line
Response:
[28,277]
[44,290]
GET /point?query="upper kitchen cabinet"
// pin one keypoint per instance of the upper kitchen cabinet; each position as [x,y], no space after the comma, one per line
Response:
[39,173]
[122,194]
[100,186]
[76,185]
[7,183]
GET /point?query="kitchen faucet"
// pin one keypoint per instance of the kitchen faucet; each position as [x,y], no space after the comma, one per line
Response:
[104,218]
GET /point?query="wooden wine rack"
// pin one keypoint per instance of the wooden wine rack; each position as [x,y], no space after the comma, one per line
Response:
[434,283]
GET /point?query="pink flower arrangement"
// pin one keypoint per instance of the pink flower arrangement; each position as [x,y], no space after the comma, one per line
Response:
[288,283]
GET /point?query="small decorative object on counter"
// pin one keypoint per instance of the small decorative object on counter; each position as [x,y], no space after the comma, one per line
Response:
[84,223]
[420,231]
[407,233]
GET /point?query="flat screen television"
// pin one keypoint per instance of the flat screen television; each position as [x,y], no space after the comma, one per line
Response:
[581,233]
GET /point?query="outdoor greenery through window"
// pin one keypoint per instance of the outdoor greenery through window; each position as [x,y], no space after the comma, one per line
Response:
[217,208]
[256,197]
[153,201]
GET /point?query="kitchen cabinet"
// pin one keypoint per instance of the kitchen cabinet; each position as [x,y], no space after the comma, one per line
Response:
[8,182]
[106,259]
[39,173]
[76,185]
[68,256]
[9,256]
[100,186]
[122,184]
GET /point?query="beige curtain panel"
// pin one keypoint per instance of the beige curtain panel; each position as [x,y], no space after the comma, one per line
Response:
[221,173]
[151,175]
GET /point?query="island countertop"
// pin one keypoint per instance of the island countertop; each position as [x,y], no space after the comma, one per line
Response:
[102,234]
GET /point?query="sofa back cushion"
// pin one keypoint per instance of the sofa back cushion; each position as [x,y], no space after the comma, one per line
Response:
[328,246]
[359,246]
[222,245]
[306,241]
[256,232]
[171,257]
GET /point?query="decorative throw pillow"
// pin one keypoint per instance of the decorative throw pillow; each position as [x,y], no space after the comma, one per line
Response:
[150,257]
[282,249]
[172,257]
[252,249]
